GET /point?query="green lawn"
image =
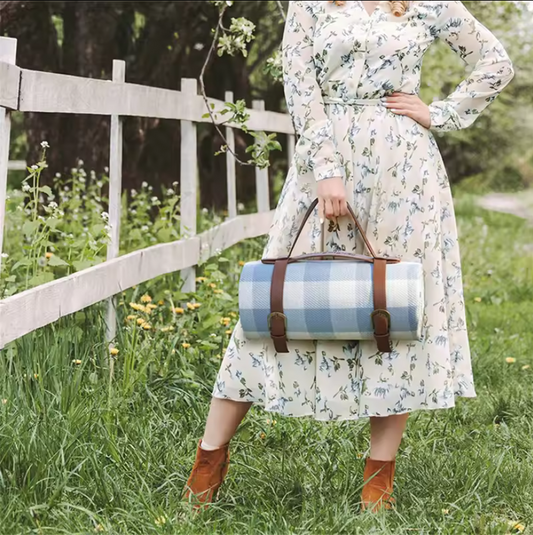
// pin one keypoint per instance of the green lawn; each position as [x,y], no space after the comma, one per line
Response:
[80,456]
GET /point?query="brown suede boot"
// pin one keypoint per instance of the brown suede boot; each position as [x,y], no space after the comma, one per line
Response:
[378,483]
[208,473]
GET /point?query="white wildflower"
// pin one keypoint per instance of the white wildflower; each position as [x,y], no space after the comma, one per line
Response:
[26,188]
[170,192]
[144,184]
[175,184]
[45,145]
[80,163]
[4,255]
[134,193]
[34,167]
[205,211]
[106,169]
[240,207]
[100,184]
[58,175]
[104,216]
[145,228]
[52,205]
[82,180]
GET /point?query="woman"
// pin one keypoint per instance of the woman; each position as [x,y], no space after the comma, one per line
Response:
[351,76]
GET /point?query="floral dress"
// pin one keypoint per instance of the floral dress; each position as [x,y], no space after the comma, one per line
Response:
[339,62]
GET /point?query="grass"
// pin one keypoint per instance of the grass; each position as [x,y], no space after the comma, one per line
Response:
[79,455]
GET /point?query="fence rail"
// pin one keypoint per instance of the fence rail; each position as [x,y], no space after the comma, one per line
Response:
[33,91]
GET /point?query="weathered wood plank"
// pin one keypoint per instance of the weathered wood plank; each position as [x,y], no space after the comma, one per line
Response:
[188,179]
[59,93]
[28,311]
[8,54]
[115,193]
[261,175]
[9,84]
[231,180]
[16,165]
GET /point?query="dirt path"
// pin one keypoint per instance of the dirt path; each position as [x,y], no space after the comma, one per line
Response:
[518,204]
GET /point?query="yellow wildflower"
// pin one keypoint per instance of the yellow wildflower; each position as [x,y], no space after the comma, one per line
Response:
[229,331]
[274,422]
[146,326]
[185,345]
[160,521]
[136,306]
[114,351]
[178,310]
[131,317]
[268,421]
[49,255]
[262,435]
[4,401]
[212,285]
[241,263]
[99,528]
[510,360]
[161,302]
[526,367]
[233,315]
[477,299]
[359,455]
[445,511]
[146,299]
[218,356]
[218,292]
[516,526]
[36,376]
[190,306]
[196,305]
[151,306]
[201,279]
[167,329]
[140,321]
[225,321]
[76,361]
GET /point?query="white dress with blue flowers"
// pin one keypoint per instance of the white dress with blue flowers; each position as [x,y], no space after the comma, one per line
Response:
[339,61]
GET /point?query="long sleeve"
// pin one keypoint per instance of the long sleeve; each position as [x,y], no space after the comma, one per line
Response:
[316,149]
[480,49]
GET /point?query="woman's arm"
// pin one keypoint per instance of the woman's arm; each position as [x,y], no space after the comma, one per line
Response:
[492,68]
[316,149]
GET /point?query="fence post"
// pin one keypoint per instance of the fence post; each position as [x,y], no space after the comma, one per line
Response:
[115,197]
[230,166]
[8,54]
[188,180]
[261,175]
[291,144]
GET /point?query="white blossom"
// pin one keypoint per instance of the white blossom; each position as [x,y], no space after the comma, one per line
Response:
[80,163]
[144,184]
[45,145]
[4,255]
[26,188]
[104,216]
[34,167]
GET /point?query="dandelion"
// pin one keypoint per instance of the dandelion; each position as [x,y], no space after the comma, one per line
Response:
[185,345]
[201,279]
[131,317]
[151,306]
[146,299]
[510,360]
[212,285]
[516,527]
[229,332]
[49,255]
[76,361]
[114,351]
[137,307]
[161,302]
[140,321]
[160,521]
[178,310]
[218,292]
[241,263]
[146,326]
[526,367]
[225,321]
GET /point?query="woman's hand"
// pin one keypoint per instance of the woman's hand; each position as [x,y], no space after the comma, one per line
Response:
[331,198]
[410,105]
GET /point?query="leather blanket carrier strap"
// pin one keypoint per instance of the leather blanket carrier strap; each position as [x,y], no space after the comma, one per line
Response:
[381,318]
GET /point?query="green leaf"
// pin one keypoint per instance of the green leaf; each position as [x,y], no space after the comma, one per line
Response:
[13,278]
[46,190]
[23,262]
[56,261]
[52,223]
[42,278]
[30,227]
[80,265]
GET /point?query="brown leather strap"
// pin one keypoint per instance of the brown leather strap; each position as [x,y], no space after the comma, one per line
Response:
[277,319]
[380,316]
[333,256]
[311,209]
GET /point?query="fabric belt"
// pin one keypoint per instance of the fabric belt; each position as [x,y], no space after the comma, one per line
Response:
[353,101]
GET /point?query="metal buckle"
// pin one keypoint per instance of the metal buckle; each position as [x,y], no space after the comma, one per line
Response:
[277,315]
[382,312]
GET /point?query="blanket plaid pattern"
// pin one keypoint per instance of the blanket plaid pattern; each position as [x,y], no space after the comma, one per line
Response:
[332,300]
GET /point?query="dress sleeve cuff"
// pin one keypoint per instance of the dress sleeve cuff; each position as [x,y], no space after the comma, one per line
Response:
[443,117]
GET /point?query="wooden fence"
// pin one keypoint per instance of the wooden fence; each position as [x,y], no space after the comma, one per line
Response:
[33,91]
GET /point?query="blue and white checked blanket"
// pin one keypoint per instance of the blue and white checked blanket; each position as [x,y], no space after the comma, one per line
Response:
[332,300]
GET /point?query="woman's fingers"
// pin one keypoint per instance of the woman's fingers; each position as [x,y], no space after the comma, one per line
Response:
[343,208]
[321,210]
[328,208]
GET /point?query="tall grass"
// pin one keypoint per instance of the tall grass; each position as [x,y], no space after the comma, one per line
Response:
[79,454]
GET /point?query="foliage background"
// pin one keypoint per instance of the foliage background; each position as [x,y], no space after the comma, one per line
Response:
[163,42]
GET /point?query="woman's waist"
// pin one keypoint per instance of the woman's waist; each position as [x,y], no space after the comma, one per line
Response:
[354,101]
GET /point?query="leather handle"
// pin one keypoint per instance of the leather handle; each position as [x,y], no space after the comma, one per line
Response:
[332,256]
[307,215]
